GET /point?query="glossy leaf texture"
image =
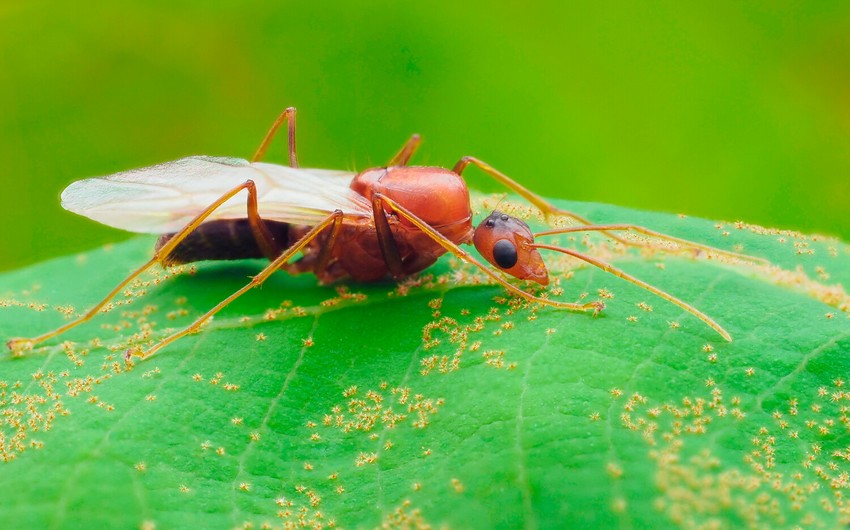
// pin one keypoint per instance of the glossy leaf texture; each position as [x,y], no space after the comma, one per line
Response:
[442,401]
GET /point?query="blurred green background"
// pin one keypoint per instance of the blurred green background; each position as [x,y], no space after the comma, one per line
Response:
[723,109]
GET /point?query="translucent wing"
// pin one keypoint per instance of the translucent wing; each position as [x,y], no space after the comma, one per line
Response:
[165,197]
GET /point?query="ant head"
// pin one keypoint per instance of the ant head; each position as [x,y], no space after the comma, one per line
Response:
[505,242]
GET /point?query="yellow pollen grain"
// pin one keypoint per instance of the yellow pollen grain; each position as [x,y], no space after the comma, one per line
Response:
[614,470]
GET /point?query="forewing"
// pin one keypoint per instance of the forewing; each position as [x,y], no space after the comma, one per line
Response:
[165,197]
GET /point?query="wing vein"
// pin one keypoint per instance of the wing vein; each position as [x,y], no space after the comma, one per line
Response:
[165,197]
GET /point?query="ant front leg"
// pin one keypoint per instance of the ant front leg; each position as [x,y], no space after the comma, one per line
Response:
[607,267]
[261,233]
[289,117]
[549,210]
[452,247]
[679,243]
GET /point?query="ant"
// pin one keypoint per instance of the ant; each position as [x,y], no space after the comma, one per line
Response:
[392,221]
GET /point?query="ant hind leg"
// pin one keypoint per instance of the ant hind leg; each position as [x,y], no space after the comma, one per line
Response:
[288,116]
[261,232]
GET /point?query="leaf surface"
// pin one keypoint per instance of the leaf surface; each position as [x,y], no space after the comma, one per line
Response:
[440,402]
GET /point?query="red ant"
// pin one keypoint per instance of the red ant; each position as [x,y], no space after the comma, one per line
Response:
[392,221]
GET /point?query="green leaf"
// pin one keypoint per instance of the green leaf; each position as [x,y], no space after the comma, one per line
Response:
[439,402]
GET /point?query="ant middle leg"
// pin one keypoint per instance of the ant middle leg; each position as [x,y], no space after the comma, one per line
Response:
[261,233]
[403,156]
[288,116]
[334,220]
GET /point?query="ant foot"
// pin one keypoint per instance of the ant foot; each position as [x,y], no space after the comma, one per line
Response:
[129,353]
[19,346]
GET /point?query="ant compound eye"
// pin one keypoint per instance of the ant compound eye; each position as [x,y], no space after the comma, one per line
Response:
[490,223]
[505,217]
[504,254]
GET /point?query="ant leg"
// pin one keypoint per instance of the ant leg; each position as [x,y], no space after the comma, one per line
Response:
[402,157]
[389,249]
[452,247]
[621,274]
[325,254]
[289,116]
[334,220]
[596,306]
[548,209]
[261,232]
[684,244]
